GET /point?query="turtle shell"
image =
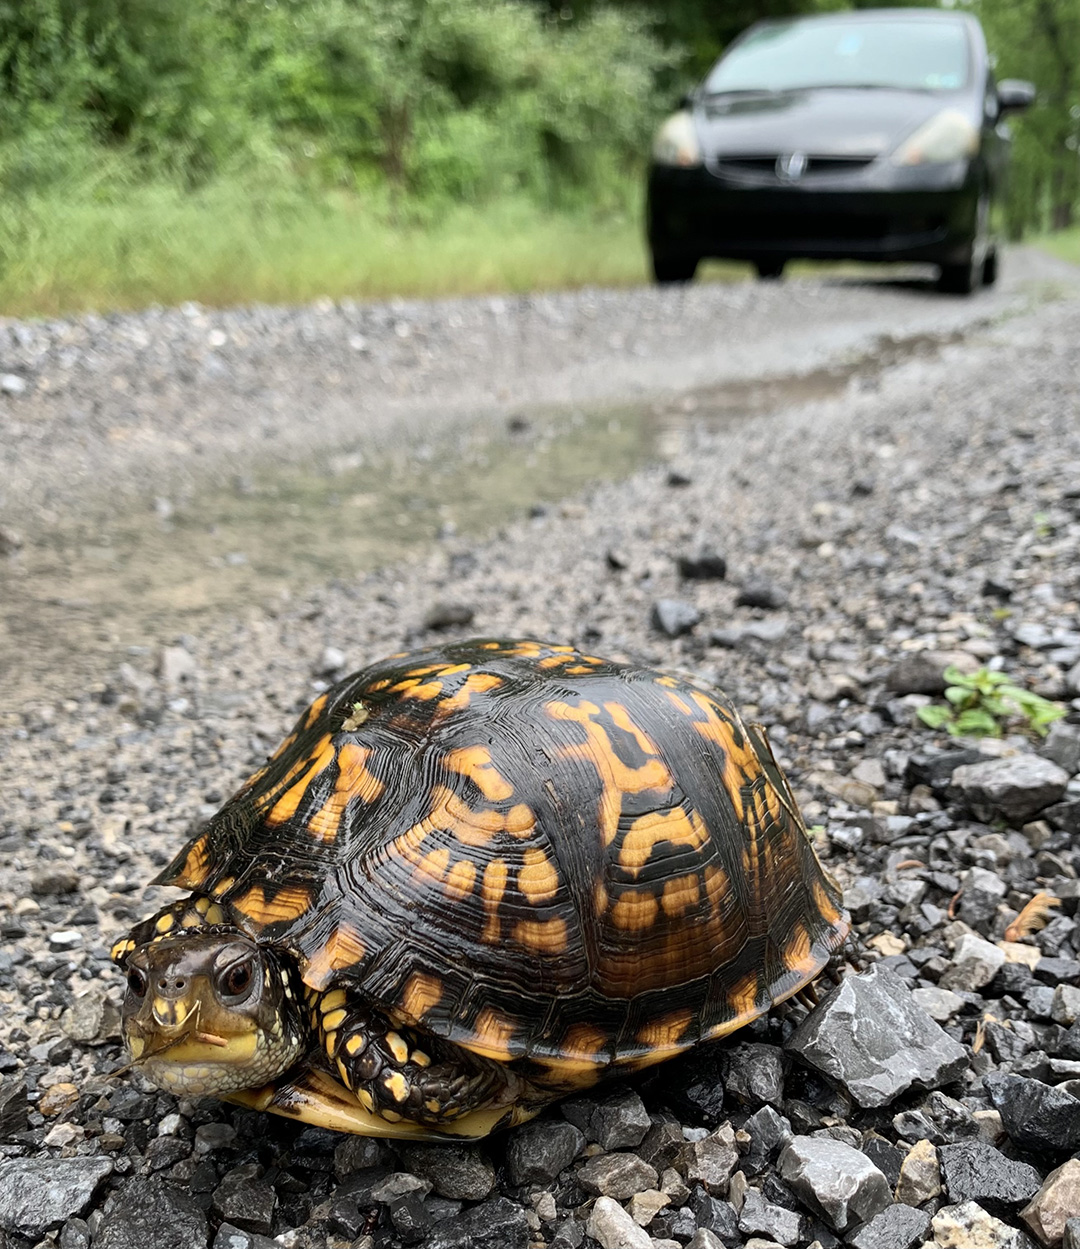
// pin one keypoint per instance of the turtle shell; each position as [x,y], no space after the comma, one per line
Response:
[545,857]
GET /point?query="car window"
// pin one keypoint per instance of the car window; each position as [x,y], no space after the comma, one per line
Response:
[902,54]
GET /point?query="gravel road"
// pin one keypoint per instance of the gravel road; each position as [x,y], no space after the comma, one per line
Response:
[877,518]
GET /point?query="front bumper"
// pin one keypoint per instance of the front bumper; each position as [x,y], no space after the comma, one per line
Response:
[887,214]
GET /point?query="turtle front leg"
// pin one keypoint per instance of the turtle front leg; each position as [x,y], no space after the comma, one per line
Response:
[399,1076]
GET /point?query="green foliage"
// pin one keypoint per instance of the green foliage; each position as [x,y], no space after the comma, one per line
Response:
[979,704]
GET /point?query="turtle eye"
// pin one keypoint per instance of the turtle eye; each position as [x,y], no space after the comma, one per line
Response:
[236,979]
[136,982]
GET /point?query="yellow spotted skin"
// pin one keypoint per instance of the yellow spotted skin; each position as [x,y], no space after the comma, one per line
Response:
[563,866]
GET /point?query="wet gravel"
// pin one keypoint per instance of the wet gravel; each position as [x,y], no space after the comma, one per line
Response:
[821,566]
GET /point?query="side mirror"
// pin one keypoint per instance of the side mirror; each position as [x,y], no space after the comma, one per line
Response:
[1015,95]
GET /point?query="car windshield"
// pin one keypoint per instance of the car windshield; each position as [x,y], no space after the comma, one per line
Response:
[895,53]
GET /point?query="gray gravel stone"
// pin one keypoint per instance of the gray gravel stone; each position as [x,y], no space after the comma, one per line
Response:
[37,1194]
[611,1226]
[712,1160]
[150,1212]
[833,1180]
[1062,746]
[537,1152]
[759,1217]
[870,1037]
[673,617]
[230,1237]
[497,1223]
[620,1121]
[754,1074]
[898,1227]
[1014,789]
[1056,1202]
[975,962]
[460,1172]
[617,1175]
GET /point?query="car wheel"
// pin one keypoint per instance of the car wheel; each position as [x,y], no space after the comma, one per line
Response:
[966,277]
[674,268]
[990,267]
[769,270]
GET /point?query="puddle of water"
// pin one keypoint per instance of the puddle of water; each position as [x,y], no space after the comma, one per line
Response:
[73,601]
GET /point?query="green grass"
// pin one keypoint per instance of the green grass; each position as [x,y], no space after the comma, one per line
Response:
[1064,243]
[231,244]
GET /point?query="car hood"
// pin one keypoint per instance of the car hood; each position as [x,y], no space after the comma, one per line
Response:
[824,121]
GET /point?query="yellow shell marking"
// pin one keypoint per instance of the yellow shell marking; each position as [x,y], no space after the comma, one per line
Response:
[315,710]
[663,1034]
[797,953]
[333,1020]
[460,880]
[474,762]
[164,923]
[355,1044]
[353,781]
[202,905]
[342,948]
[284,808]
[434,864]
[420,995]
[491,1036]
[263,908]
[634,911]
[826,907]
[193,871]
[476,683]
[681,895]
[332,1001]
[543,936]
[492,890]
[677,826]
[537,878]
[615,777]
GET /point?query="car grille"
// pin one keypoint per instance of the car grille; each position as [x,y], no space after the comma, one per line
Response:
[763,169]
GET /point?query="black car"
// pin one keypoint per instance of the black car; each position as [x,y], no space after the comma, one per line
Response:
[872,135]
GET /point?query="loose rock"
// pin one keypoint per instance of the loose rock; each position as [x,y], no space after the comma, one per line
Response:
[869,1036]
[834,1180]
[613,1228]
[1014,789]
[1056,1202]
[973,1170]
[37,1194]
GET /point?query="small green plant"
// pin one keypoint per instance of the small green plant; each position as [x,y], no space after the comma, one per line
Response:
[980,703]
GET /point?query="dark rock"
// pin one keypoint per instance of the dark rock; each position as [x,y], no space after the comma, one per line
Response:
[976,1171]
[918,672]
[767,1130]
[1055,971]
[674,617]
[617,560]
[887,1157]
[1062,746]
[244,1200]
[358,1153]
[1015,788]
[758,592]
[460,1172]
[935,768]
[716,1216]
[834,1180]
[1035,1115]
[759,1217]
[14,1107]
[150,1212]
[898,1227]
[537,1152]
[872,1039]
[449,616]
[620,1121]
[55,879]
[754,1074]
[410,1218]
[711,1160]
[679,477]
[37,1194]
[706,565]
[495,1224]
[1071,1239]
[694,1087]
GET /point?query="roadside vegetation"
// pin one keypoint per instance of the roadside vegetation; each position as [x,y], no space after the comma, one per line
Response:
[245,150]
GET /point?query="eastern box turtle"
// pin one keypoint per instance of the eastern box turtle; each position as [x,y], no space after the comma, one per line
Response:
[471,880]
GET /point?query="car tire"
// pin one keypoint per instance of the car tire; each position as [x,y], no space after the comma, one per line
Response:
[668,269]
[961,279]
[990,267]
[769,270]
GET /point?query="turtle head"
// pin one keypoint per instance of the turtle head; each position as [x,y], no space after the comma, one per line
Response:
[210,1013]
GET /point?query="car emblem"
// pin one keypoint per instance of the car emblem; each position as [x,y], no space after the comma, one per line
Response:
[790,166]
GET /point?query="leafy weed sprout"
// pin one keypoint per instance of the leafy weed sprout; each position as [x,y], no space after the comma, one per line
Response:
[980,703]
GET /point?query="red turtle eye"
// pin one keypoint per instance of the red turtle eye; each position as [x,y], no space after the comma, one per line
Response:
[136,982]
[236,979]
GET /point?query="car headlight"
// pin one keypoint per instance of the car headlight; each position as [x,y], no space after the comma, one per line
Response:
[947,137]
[676,142]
